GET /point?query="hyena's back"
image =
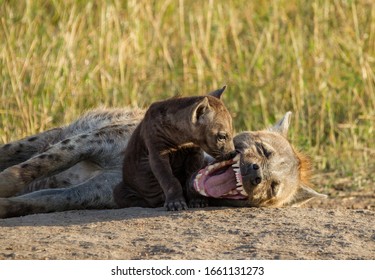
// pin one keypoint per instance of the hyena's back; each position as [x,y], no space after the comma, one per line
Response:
[70,167]
[121,121]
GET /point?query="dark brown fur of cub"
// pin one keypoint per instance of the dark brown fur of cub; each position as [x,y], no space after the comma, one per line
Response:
[166,148]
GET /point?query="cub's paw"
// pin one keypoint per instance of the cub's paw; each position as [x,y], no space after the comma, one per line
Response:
[198,202]
[176,205]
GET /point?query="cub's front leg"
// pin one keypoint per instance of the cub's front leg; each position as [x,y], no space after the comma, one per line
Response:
[194,162]
[160,166]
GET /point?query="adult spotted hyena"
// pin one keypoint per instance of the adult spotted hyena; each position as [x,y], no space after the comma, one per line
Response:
[77,167]
[267,172]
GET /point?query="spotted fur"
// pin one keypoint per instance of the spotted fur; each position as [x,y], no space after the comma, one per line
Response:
[77,166]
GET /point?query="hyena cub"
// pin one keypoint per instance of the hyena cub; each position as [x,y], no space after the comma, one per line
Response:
[165,149]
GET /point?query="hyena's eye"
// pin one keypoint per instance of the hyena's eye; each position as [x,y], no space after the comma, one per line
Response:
[274,188]
[264,149]
[221,136]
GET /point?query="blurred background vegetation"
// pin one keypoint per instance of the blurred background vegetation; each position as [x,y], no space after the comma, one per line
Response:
[315,58]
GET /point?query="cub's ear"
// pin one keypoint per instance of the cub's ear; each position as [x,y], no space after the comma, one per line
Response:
[200,109]
[217,93]
[303,195]
[283,125]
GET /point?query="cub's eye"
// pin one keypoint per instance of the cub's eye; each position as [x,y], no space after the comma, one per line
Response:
[274,188]
[221,136]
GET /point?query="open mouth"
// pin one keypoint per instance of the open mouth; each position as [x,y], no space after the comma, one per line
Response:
[221,180]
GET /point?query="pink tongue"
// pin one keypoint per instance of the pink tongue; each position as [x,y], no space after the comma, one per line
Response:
[218,185]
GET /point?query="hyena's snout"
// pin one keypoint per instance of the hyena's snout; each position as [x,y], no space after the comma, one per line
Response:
[252,173]
[228,149]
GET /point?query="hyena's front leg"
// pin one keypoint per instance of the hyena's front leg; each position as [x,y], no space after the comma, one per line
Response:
[95,193]
[55,159]
[21,150]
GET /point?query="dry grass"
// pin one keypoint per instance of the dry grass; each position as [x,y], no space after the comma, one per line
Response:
[315,58]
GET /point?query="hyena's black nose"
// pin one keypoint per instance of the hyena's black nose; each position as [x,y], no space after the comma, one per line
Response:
[252,173]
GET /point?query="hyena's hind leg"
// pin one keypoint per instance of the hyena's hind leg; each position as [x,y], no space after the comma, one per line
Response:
[55,159]
[75,175]
[21,150]
[95,193]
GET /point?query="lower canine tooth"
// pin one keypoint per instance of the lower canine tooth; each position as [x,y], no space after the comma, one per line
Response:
[243,192]
[202,192]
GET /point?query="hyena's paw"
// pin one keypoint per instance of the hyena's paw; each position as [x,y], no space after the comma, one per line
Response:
[12,208]
[11,182]
[5,205]
[198,202]
[176,205]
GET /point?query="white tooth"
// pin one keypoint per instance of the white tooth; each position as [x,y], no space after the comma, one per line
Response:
[202,192]
[244,193]
[237,164]
[199,188]
[196,185]
[239,184]
[198,176]
[210,167]
[238,178]
[237,157]
[216,164]
[237,170]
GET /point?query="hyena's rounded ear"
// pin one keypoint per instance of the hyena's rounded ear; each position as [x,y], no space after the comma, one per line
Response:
[200,109]
[242,141]
[303,195]
[217,93]
[282,125]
